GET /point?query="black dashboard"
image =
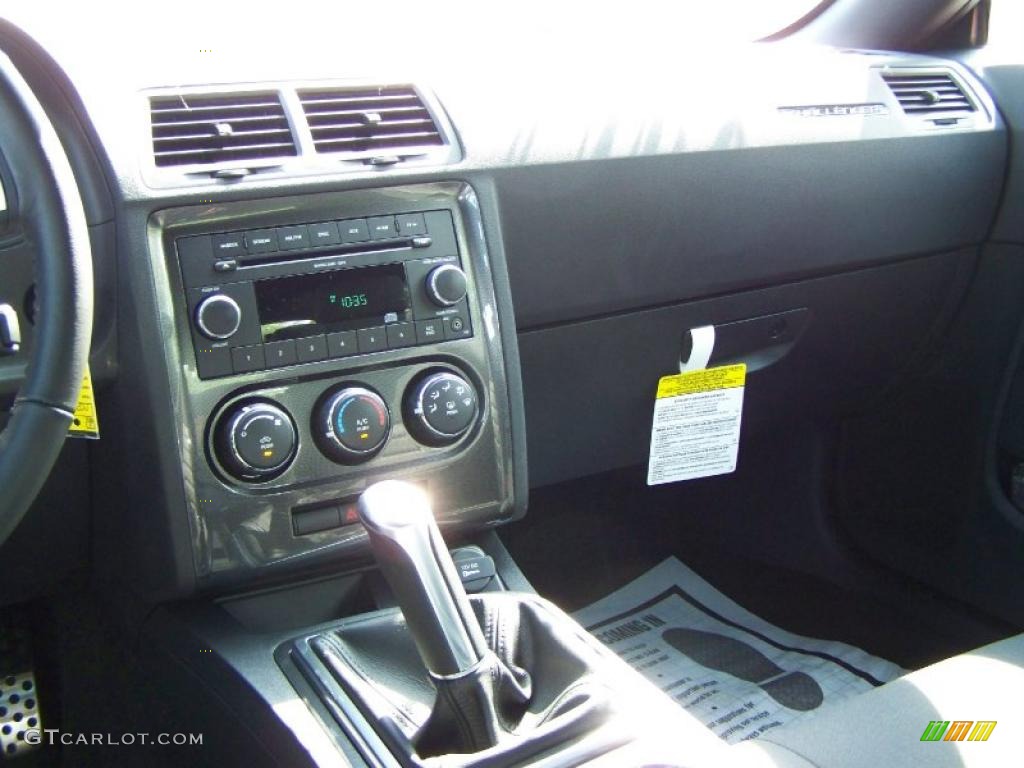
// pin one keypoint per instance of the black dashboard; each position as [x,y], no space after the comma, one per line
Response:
[291,272]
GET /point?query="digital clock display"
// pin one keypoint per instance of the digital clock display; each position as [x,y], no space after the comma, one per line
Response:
[342,300]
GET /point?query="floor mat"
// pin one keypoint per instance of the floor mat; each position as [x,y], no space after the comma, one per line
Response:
[738,674]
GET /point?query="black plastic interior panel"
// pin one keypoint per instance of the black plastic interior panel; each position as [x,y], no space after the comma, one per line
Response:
[589,387]
[917,481]
[588,239]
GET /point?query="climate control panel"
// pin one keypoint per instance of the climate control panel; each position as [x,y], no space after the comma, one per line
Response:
[256,439]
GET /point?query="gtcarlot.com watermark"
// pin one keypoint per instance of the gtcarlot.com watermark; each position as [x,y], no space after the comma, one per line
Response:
[54,736]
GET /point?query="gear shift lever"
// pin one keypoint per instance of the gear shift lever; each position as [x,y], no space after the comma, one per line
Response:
[415,561]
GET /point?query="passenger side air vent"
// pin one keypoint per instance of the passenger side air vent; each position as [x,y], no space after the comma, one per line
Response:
[204,129]
[387,119]
[927,94]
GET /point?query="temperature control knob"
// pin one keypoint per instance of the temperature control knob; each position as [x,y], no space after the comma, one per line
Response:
[218,316]
[446,285]
[440,408]
[351,424]
[256,440]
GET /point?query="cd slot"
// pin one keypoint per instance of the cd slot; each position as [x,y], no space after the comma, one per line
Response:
[288,257]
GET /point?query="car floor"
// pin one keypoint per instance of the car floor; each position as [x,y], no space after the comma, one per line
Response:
[762,536]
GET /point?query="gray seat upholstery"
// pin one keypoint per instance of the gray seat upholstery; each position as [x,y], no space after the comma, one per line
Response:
[884,727]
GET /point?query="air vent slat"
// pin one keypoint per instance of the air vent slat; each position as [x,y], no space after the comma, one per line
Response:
[930,93]
[214,128]
[360,120]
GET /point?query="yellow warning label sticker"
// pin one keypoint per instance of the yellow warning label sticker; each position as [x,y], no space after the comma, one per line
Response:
[696,427]
[86,423]
[704,380]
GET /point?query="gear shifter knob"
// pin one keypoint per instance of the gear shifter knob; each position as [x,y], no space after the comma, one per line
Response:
[415,561]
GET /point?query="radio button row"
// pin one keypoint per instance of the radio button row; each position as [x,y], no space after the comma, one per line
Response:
[341,344]
[261,240]
[246,359]
[372,340]
[228,246]
[411,224]
[324,234]
[280,353]
[429,331]
[311,349]
[213,362]
[401,335]
[382,227]
[292,238]
[354,231]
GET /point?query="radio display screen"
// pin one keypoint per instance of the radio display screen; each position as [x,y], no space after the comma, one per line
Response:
[322,302]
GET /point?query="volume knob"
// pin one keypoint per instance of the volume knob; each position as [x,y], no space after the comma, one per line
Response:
[446,285]
[218,316]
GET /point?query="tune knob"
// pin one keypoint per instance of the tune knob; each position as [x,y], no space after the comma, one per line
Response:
[255,440]
[440,408]
[218,316]
[351,424]
[446,285]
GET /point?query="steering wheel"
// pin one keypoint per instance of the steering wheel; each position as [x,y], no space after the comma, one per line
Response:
[50,210]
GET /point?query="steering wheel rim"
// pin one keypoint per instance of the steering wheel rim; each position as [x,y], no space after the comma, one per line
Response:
[50,209]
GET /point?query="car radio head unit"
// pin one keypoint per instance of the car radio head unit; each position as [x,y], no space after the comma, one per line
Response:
[304,293]
[340,300]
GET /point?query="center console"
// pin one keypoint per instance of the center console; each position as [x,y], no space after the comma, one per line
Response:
[325,342]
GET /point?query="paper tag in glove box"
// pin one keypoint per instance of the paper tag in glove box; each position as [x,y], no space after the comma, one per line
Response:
[696,429]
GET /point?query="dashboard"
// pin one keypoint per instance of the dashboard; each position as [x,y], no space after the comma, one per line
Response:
[309,283]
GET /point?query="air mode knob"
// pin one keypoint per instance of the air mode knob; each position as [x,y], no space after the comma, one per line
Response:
[440,408]
[351,424]
[446,285]
[256,440]
[218,316]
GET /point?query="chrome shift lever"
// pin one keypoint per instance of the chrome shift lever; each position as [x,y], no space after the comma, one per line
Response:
[415,561]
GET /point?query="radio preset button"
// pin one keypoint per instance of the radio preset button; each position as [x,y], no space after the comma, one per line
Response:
[354,231]
[261,240]
[410,224]
[429,331]
[218,316]
[279,353]
[246,359]
[373,340]
[292,238]
[212,362]
[311,349]
[325,233]
[228,246]
[382,227]
[341,344]
[401,335]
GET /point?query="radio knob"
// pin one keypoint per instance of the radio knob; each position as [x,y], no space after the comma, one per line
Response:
[351,425]
[255,441]
[446,285]
[218,316]
[440,408]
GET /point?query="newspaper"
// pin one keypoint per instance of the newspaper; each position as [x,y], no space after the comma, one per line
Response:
[735,672]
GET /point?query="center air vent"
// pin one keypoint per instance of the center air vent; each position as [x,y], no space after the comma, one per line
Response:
[371,119]
[927,94]
[219,128]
